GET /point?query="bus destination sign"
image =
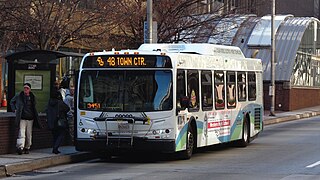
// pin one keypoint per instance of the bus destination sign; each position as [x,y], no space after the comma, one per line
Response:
[127,61]
[124,61]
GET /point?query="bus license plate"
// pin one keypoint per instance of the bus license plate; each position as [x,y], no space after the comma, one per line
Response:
[123,126]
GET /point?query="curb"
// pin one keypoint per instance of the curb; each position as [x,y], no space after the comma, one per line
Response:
[290,118]
[10,169]
[2,171]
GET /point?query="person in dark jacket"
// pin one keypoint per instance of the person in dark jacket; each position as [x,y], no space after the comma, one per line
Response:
[24,105]
[56,110]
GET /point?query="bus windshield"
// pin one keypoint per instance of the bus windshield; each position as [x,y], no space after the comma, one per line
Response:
[126,90]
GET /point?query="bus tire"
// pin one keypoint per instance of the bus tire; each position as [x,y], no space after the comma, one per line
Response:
[190,143]
[245,140]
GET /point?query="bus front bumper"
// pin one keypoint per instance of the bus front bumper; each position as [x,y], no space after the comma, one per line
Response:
[115,144]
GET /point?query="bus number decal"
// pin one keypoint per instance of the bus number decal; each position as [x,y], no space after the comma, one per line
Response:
[100,61]
[93,105]
[111,61]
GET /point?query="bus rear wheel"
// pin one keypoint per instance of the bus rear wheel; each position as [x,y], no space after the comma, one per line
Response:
[186,154]
[245,140]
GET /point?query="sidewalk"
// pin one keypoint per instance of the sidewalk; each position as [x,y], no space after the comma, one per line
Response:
[41,158]
[290,115]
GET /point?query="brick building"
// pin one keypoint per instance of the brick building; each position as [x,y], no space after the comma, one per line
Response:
[298,8]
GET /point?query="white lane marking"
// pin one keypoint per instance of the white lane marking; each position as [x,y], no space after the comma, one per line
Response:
[313,165]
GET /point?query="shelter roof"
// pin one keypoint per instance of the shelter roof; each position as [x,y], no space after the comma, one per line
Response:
[43,56]
[288,38]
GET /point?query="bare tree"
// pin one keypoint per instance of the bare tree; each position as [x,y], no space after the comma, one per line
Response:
[178,20]
[128,31]
[197,21]
[49,24]
[103,24]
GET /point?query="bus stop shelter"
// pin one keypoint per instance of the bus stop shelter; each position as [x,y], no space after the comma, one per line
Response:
[37,67]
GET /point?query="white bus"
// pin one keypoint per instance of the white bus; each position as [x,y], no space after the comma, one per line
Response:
[168,98]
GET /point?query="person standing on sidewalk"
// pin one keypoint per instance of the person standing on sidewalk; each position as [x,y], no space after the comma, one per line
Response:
[64,87]
[24,105]
[57,119]
[70,102]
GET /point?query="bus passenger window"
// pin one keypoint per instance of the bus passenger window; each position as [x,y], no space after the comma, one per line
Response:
[219,90]
[206,88]
[193,89]
[181,91]
[231,91]
[242,94]
[252,94]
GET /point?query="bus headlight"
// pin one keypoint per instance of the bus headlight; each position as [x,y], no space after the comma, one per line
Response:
[91,132]
[162,133]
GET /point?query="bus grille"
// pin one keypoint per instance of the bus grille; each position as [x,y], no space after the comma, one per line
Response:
[257,118]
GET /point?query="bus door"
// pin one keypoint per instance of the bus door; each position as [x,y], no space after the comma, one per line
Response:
[182,99]
[182,102]
[188,103]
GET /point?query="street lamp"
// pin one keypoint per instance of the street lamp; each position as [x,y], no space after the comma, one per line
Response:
[149,21]
[272,86]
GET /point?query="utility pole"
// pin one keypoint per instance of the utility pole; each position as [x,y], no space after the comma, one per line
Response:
[149,21]
[273,71]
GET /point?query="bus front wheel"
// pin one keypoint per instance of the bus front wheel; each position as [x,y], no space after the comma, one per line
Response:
[186,154]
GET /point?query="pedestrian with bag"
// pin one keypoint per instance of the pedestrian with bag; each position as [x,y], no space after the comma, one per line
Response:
[24,105]
[57,119]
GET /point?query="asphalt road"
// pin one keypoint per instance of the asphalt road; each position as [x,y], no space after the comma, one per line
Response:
[285,151]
